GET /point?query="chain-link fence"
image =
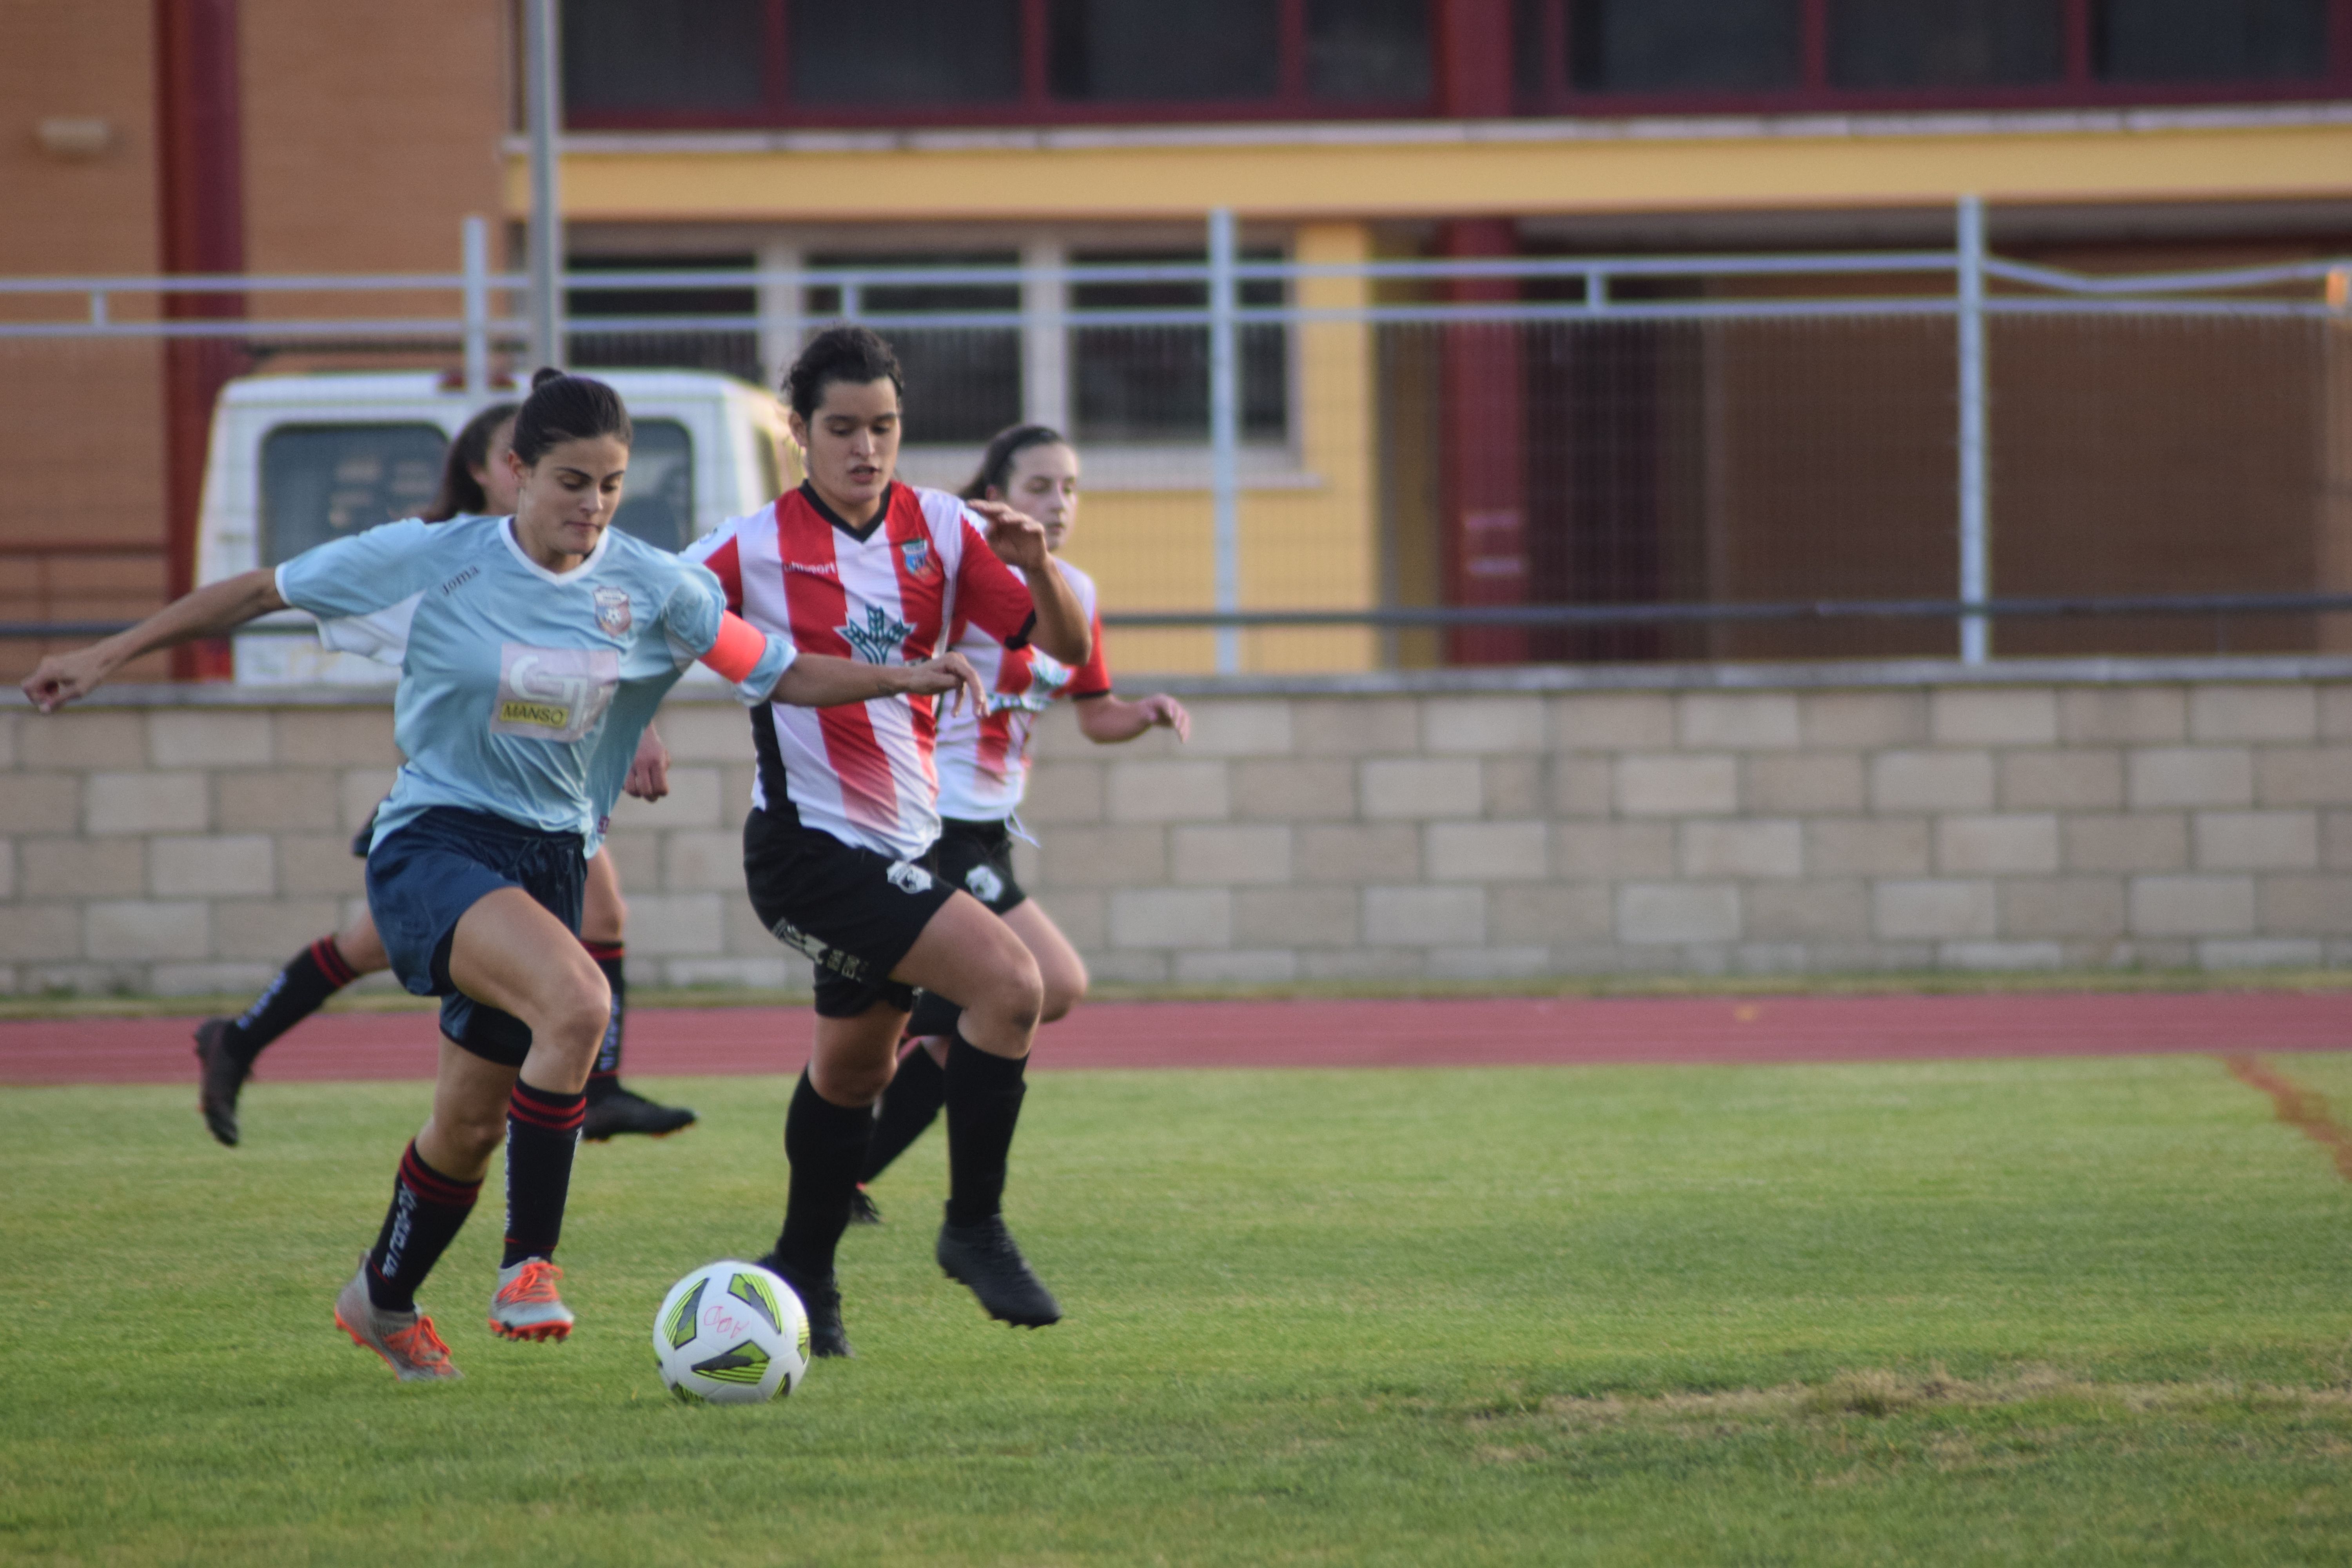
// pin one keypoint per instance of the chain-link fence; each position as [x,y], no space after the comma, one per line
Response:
[1292,461]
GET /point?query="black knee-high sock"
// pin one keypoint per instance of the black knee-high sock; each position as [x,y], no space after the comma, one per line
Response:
[983,1100]
[908,1107]
[542,1131]
[428,1209]
[606,1076]
[825,1145]
[309,977]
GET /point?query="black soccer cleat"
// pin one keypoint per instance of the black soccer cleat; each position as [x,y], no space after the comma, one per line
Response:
[821,1299]
[984,1258]
[861,1208]
[219,1075]
[623,1111]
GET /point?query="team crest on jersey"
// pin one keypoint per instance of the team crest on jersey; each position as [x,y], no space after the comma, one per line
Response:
[613,615]
[917,554]
[880,640]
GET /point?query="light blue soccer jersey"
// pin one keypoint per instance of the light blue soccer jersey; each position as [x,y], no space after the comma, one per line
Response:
[523,690]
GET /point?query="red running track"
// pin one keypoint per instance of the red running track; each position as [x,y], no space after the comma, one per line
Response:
[1464,1032]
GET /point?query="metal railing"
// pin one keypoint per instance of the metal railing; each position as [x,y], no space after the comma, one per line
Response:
[1966,284]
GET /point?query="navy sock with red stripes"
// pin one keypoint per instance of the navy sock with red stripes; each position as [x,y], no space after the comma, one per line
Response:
[309,977]
[427,1210]
[606,1076]
[542,1133]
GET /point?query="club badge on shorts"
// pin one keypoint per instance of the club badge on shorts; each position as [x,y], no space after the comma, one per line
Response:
[909,877]
[985,884]
[613,615]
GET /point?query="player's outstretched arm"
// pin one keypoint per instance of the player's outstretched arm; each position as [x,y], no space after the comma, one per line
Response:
[821,680]
[1107,720]
[1063,629]
[208,612]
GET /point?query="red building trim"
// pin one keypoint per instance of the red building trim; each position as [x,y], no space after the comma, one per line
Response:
[200,189]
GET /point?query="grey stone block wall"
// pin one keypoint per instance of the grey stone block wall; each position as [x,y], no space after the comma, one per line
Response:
[1470,825]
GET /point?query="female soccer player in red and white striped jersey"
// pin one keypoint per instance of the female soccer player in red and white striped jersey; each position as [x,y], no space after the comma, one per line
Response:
[983,767]
[856,564]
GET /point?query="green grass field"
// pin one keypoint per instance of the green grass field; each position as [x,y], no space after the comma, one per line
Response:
[2077,1312]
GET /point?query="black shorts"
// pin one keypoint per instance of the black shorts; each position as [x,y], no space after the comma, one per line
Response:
[423,878]
[978,858]
[853,912]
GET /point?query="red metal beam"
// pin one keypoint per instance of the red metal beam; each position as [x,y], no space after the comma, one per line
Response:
[200,189]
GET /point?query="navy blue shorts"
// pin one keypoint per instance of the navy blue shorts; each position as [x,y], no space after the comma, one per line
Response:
[423,878]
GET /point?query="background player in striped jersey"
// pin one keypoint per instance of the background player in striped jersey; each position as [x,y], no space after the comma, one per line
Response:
[476,481]
[534,649]
[984,768]
[845,810]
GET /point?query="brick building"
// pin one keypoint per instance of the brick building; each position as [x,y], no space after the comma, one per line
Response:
[219,135]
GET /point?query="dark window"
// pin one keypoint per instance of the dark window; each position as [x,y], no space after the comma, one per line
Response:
[905,51]
[1151,383]
[1368,48]
[320,482]
[2211,40]
[679,54]
[963,383]
[1685,45]
[1153,50]
[644,345]
[657,498]
[1946,43]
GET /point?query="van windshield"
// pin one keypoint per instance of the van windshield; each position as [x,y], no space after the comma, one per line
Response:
[657,501]
[330,482]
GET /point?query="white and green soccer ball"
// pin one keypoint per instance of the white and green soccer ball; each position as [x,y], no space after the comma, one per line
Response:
[732,1334]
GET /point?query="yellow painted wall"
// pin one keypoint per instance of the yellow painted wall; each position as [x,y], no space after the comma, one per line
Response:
[1311,546]
[1420,172]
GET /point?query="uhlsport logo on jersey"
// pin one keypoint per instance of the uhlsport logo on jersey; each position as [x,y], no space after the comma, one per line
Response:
[613,612]
[554,694]
[880,640]
[917,554]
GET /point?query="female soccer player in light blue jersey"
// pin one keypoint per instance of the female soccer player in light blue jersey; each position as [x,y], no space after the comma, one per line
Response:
[532,651]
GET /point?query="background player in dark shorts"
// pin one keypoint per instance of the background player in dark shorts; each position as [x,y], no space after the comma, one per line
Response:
[854,562]
[983,765]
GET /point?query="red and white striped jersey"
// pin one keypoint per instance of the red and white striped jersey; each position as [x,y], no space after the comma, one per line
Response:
[887,595]
[983,758]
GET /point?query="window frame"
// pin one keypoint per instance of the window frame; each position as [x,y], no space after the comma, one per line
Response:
[1035,105]
[1548,89]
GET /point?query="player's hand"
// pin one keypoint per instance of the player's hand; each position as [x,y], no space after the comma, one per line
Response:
[649,768]
[64,678]
[1164,712]
[952,674]
[1017,539]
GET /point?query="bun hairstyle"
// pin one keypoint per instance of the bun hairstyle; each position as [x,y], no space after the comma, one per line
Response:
[843,352]
[996,463]
[568,408]
[460,491]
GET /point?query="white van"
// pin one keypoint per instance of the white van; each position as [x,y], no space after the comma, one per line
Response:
[297,460]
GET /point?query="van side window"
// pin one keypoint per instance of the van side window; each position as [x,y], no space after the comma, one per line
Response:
[657,501]
[330,482]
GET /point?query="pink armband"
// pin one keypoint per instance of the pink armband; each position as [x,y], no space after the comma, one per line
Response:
[738,650]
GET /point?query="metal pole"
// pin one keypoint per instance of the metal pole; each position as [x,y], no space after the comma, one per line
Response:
[1976,558]
[543,93]
[1225,432]
[477,248]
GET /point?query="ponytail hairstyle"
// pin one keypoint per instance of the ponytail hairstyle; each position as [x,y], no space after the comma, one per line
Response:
[563,408]
[996,463]
[460,492]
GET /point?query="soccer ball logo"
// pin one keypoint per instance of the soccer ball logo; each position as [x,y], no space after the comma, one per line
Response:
[731,1333]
